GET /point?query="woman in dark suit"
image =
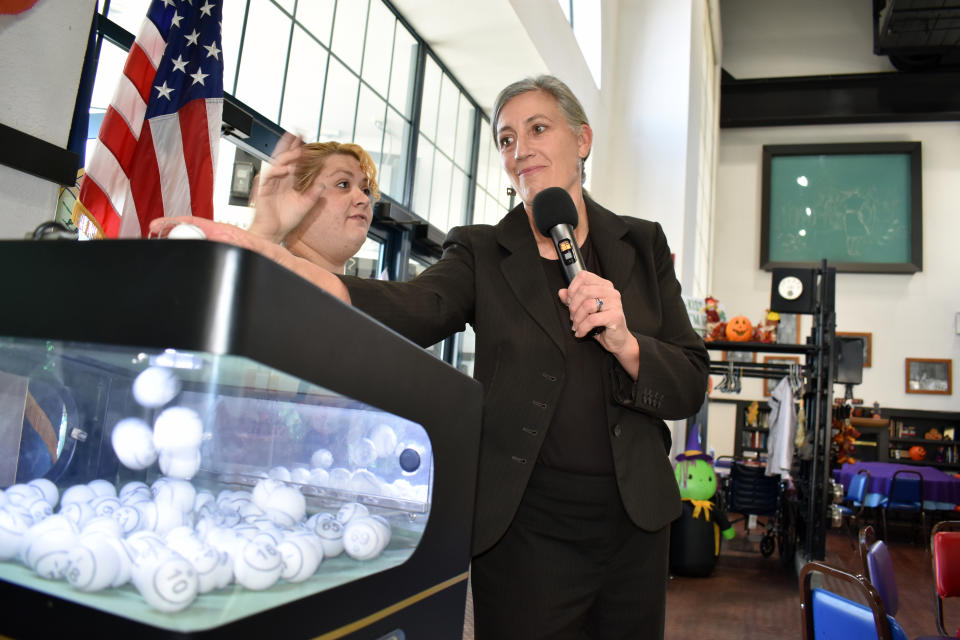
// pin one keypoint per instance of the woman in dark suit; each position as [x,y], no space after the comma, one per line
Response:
[575,491]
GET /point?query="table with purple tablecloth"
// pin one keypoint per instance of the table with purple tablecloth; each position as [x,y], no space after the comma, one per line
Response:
[941,490]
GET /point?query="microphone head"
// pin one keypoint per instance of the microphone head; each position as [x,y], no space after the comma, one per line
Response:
[551,207]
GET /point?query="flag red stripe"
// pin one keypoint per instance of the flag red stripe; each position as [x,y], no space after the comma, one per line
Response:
[116,136]
[98,204]
[145,181]
[140,71]
[196,156]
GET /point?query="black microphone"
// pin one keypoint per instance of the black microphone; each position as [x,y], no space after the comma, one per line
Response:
[556,216]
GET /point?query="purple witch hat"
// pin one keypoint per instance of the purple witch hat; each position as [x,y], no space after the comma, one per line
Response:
[694,450]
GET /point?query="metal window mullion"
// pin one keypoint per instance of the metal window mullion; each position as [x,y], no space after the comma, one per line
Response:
[473,164]
[360,82]
[243,37]
[286,66]
[415,126]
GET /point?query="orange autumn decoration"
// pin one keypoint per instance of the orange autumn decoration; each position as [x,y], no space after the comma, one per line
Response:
[739,329]
[917,452]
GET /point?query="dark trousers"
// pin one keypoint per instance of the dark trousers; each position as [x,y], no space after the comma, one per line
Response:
[573,566]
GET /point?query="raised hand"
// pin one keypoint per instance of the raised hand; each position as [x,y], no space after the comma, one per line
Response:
[280,207]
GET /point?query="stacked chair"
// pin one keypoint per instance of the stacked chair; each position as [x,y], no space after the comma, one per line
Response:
[830,616]
[853,505]
[945,556]
[905,496]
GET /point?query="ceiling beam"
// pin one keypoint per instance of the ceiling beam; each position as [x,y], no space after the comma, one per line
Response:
[840,99]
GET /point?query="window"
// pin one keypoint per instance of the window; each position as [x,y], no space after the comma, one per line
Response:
[584,19]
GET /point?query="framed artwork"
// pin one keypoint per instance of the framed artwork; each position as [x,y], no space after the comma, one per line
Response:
[856,205]
[788,329]
[770,383]
[739,356]
[929,375]
[867,339]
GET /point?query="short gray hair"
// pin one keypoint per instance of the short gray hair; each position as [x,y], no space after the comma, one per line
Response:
[572,109]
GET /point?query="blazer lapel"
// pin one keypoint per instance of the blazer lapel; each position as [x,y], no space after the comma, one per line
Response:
[617,257]
[522,270]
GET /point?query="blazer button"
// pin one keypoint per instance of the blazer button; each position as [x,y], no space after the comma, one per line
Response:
[617,430]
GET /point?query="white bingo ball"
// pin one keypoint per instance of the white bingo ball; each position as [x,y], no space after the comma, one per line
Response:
[145,547]
[339,478]
[168,585]
[79,512]
[362,452]
[128,518]
[125,562]
[180,463]
[290,502]
[105,505]
[132,441]
[319,477]
[206,560]
[279,473]
[330,532]
[22,493]
[102,488]
[148,515]
[39,509]
[365,481]
[177,428]
[103,526]
[204,501]
[257,566]
[186,231]
[93,564]
[155,387]
[321,458]
[384,439]
[135,491]
[168,517]
[176,491]
[50,492]
[77,493]
[300,558]
[263,489]
[13,524]
[351,510]
[46,552]
[300,475]
[363,538]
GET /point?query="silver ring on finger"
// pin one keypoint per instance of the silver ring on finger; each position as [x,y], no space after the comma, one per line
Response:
[599,305]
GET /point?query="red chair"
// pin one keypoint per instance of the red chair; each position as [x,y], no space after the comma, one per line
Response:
[945,555]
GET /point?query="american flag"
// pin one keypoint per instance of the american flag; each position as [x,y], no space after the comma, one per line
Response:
[157,147]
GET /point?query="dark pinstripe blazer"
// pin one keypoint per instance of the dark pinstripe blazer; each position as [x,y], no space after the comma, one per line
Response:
[491,278]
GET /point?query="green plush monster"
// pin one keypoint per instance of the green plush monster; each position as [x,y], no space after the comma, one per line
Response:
[695,536]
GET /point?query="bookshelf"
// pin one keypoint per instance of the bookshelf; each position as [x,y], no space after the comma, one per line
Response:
[750,438]
[908,428]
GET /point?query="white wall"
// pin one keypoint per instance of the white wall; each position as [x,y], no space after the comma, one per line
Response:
[37,97]
[908,315]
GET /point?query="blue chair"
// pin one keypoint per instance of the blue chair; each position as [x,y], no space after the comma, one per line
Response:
[829,616]
[905,496]
[853,505]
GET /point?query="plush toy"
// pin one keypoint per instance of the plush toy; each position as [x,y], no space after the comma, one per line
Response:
[715,319]
[766,331]
[695,536]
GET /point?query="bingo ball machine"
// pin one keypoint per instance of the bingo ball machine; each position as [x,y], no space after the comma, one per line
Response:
[195,442]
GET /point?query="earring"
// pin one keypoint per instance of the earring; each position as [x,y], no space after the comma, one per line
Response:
[511,191]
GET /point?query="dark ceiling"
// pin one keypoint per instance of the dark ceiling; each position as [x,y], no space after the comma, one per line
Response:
[918,34]
[921,38]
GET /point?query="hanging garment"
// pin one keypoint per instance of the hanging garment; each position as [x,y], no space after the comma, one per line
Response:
[783,426]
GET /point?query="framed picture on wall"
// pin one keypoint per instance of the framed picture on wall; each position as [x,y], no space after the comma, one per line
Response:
[856,205]
[867,339]
[770,383]
[929,375]
[788,329]
[739,356]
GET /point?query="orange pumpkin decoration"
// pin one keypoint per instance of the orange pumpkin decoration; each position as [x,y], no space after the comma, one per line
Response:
[917,452]
[739,329]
